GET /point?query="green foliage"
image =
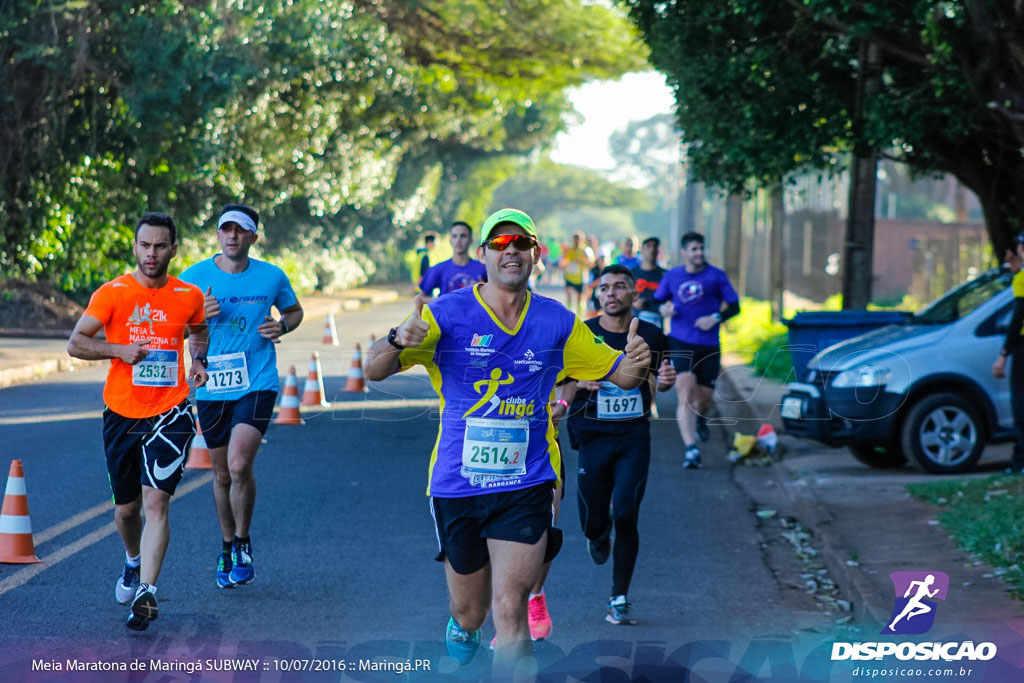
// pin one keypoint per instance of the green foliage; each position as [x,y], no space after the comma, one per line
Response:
[547,188]
[986,518]
[772,359]
[767,89]
[350,126]
[607,224]
[747,332]
[650,151]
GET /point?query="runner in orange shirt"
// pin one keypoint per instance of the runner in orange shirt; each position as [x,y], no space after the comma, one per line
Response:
[148,424]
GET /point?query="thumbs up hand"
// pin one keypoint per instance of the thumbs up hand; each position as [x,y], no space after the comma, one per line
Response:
[666,376]
[638,354]
[210,305]
[413,331]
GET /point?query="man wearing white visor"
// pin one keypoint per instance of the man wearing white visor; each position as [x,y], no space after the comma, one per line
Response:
[235,407]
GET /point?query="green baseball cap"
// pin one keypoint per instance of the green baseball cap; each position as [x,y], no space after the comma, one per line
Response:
[514,216]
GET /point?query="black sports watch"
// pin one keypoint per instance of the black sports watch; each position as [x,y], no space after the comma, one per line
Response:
[391,338]
[202,359]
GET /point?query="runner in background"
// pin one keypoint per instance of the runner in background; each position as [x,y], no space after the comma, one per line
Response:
[699,297]
[575,262]
[236,406]
[148,425]
[648,275]
[593,279]
[457,272]
[628,256]
[423,256]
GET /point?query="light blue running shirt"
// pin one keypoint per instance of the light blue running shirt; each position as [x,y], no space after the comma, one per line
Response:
[241,361]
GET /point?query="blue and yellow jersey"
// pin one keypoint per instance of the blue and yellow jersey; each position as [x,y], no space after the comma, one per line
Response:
[495,384]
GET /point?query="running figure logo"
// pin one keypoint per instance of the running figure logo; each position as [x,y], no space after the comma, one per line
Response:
[914,612]
[492,385]
[145,315]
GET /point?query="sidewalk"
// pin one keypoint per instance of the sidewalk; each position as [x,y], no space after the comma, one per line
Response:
[864,523]
[26,355]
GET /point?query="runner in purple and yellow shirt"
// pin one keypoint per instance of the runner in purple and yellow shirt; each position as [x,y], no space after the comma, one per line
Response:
[494,353]
[699,298]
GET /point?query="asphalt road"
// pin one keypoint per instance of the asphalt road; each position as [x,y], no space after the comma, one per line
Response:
[344,546]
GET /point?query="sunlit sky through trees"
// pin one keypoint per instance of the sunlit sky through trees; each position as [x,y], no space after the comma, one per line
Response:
[605,107]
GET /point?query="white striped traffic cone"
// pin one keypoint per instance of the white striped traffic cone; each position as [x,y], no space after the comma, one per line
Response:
[331,331]
[355,382]
[199,455]
[288,411]
[313,393]
[16,546]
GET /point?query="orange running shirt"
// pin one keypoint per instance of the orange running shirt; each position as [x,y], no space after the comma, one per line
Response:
[131,313]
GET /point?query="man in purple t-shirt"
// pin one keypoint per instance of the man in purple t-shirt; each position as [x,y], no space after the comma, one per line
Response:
[457,272]
[699,297]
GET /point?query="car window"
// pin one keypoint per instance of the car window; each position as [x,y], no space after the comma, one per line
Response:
[962,300]
[996,324]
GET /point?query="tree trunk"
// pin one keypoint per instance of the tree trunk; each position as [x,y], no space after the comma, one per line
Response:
[775,249]
[734,237]
[860,220]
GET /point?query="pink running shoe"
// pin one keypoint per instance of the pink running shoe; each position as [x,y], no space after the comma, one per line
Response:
[540,620]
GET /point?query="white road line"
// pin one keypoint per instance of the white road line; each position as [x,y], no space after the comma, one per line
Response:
[51,417]
[68,524]
[23,576]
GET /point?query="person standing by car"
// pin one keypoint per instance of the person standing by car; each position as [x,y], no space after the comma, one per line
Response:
[1015,258]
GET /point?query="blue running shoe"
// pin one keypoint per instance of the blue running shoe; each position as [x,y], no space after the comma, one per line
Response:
[224,566]
[126,585]
[461,644]
[242,571]
[703,430]
[619,612]
[691,458]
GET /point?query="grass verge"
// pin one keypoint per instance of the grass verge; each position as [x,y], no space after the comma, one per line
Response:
[986,518]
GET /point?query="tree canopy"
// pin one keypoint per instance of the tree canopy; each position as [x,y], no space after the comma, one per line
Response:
[548,188]
[766,88]
[347,124]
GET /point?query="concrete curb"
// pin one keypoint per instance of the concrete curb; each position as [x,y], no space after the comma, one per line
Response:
[41,367]
[868,606]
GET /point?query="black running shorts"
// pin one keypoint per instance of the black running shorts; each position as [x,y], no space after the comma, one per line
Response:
[703,361]
[218,418]
[464,524]
[148,451]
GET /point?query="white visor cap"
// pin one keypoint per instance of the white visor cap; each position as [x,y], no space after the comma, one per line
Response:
[237,217]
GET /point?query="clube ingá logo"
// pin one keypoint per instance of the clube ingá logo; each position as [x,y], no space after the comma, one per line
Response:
[913,611]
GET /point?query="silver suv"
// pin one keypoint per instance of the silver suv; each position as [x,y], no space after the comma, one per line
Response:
[924,388]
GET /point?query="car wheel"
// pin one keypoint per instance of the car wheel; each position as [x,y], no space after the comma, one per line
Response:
[879,457]
[944,433]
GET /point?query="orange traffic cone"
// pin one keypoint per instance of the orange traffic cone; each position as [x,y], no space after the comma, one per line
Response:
[16,546]
[355,374]
[288,411]
[331,331]
[199,456]
[373,339]
[313,393]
